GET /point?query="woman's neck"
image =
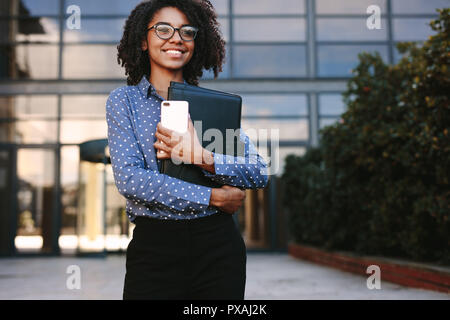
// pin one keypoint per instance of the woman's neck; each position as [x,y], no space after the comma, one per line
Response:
[160,79]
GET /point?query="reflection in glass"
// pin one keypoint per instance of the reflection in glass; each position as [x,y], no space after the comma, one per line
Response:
[349,29]
[339,60]
[35,173]
[29,107]
[274,104]
[102,223]
[34,131]
[103,7]
[78,131]
[96,30]
[269,61]
[348,6]
[118,228]
[70,159]
[411,29]
[269,29]
[91,61]
[288,129]
[83,106]
[34,61]
[268,7]
[331,104]
[39,29]
[39,7]
[418,6]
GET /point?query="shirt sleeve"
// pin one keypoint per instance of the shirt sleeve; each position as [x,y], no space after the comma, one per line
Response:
[131,177]
[249,171]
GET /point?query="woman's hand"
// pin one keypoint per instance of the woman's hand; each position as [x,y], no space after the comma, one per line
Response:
[227,198]
[180,147]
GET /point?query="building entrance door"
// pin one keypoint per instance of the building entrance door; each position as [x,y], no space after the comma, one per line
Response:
[7,199]
[36,201]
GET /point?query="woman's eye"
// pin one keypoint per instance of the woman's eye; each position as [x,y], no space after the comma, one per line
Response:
[164,29]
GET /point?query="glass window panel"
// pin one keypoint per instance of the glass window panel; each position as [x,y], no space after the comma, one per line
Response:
[268,7]
[288,129]
[271,61]
[91,61]
[7,110]
[276,160]
[285,151]
[220,6]
[327,122]
[84,106]
[29,107]
[279,30]
[7,131]
[339,60]
[70,160]
[274,104]
[331,104]
[35,199]
[347,6]
[208,74]
[398,56]
[31,30]
[418,6]
[33,61]
[224,28]
[79,131]
[407,29]
[35,131]
[349,29]
[103,7]
[39,7]
[96,30]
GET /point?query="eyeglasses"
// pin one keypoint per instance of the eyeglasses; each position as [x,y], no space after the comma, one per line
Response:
[165,31]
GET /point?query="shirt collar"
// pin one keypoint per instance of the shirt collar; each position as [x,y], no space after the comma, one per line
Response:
[147,88]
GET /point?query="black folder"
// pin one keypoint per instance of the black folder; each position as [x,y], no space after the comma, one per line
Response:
[216,109]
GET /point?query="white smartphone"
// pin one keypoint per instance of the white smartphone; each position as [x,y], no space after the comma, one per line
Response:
[174,115]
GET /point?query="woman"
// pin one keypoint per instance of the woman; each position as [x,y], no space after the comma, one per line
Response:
[185,243]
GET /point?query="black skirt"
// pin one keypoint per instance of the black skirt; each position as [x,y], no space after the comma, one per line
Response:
[203,258]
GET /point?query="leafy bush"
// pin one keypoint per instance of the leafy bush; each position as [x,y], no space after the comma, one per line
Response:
[379,182]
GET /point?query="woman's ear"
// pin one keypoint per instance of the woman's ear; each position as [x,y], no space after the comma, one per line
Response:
[144,46]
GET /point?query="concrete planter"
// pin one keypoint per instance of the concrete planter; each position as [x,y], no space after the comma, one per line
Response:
[416,275]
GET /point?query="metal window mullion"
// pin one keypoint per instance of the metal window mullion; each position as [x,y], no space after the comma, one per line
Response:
[231,39]
[314,119]
[311,38]
[390,34]
[57,206]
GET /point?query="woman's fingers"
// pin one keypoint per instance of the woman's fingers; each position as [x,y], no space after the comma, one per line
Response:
[161,146]
[162,138]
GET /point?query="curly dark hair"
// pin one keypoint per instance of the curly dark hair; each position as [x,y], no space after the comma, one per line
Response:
[209,50]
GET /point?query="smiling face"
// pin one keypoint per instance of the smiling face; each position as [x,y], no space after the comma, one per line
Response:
[173,53]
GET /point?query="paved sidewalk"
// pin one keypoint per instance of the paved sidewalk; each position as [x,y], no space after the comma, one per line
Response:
[270,276]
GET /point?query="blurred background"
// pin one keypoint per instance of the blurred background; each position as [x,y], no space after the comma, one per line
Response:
[290,60]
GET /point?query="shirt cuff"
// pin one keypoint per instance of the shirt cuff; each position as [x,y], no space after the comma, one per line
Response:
[224,165]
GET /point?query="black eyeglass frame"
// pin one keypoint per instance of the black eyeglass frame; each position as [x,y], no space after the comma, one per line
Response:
[174,29]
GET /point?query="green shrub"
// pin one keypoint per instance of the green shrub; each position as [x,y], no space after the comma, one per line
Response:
[379,182]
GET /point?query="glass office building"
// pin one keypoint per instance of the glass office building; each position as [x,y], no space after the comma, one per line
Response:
[288,59]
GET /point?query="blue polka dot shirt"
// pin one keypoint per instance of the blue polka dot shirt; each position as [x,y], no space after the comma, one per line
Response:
[132,113]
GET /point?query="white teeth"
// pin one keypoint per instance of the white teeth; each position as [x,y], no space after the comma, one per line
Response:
[174,51]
